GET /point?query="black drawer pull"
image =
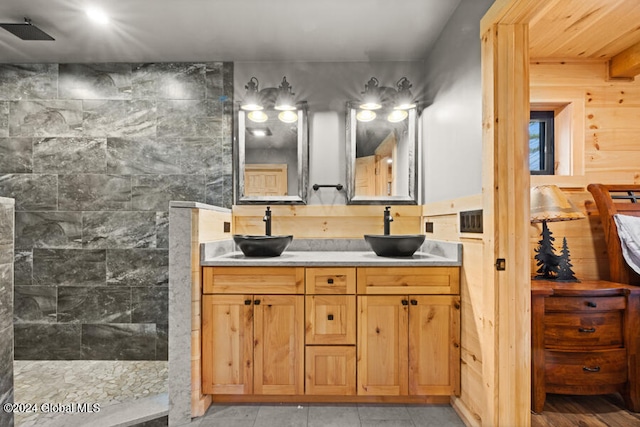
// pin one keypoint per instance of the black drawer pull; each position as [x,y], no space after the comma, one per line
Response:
[257,302]
[330,317]
[591,304]
[330,281]
[247,302]
[587,330]
[405,302]
[414,302]
[588,369]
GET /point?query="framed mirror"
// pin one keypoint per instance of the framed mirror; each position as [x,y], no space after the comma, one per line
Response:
[271,160]
[382,161]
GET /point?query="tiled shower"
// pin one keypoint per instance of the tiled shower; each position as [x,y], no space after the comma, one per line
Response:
[92,155]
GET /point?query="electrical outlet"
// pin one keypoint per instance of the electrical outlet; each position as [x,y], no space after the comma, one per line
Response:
[226,227]
[428,227]
[471,221]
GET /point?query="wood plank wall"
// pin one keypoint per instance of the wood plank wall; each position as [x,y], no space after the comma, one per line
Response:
[444,216]
[611,150]
[206,226]
[325,222]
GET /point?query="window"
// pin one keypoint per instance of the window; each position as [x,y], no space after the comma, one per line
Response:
[541,161]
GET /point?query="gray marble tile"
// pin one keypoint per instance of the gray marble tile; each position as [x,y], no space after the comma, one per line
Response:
[383,412]
[201,155]
[70,155]
[158,422]
[215,80]
[6,295]
[186,118]
[94,81]
[16,154]
[23,268]
[34,304]
[227,85]
[150,305]
[118,341]
[4,118]
[55,341]
[247,412]
[214,189]
[434,416]
[6,373]
[6,234]
[142,156]
[282,415]
[45,118]
[117,118]
[162,227]
[119,230]
[224,422]
[28,81]
[333,416]
[387,423]
[162,342]
[91,304]
[169,81]
[48,230]
[138,267]
[69,267]
[91,192]
[32,192]
[154,192]
[227,192]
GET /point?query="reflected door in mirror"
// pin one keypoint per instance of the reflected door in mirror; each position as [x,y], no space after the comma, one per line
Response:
[265,180]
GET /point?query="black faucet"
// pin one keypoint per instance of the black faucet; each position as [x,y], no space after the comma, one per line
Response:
[267,221]
[387,221]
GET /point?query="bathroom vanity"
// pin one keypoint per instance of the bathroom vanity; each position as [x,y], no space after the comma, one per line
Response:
[331,326]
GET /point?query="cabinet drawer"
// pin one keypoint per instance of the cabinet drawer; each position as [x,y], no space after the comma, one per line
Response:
[331,319]
[331,280]
[593,368]
[585,330]
[582,304]
[408,280]
[253,280]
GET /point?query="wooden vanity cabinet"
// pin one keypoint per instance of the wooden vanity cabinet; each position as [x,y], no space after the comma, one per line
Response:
[253,343]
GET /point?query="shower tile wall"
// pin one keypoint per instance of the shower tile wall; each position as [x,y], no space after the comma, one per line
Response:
[6,307]
[92,154]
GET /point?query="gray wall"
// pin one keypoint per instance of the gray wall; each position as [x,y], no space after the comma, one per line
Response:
[452,124]
[327,87]
[6,307]
[92,154]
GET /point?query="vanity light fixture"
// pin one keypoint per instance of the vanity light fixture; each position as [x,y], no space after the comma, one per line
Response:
[375,96]
[259,131]
[97,15]
[258,116]
[288,116]
[280,98]
[396,116]
[365,115]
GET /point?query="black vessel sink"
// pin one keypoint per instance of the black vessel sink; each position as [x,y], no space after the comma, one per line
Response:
[401,245]
[262,246]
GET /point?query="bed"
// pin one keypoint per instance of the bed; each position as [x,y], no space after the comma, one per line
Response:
[611,200]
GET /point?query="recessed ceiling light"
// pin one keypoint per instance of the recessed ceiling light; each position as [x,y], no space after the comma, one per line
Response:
[98,16]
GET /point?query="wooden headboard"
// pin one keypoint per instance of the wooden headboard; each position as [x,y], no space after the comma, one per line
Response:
[610,200]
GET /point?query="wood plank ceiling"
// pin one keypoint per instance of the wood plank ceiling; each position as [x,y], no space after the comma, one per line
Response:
[607,30]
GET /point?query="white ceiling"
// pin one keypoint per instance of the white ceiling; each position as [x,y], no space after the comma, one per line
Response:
[227,30]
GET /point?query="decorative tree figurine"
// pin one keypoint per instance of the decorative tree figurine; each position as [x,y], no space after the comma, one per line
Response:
[546,256]
[565,274]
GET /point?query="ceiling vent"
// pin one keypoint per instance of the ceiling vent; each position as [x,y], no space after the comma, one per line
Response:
[27,31]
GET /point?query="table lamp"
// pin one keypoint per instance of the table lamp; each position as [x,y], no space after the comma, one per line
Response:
[549,204]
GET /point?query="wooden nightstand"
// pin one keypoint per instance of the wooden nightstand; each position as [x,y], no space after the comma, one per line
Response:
[585,339]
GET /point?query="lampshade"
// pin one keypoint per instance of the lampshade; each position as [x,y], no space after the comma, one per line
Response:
[548,203]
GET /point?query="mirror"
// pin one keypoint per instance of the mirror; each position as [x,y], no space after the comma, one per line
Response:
[271,160]
[381,157]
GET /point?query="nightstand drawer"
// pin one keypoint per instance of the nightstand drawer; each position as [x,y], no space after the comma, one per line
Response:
[586,330]
[582,304]
[586,368]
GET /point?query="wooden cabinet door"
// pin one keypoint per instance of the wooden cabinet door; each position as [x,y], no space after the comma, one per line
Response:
[382,345]
[331,319]
[278,344]
[434,345]
[227,344]
[331,370]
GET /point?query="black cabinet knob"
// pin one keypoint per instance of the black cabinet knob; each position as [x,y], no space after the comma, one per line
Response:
[591,304]
[414,302]
[588,369]
[330,281]
[247,302]
[257,302]
[405,302]
[330,317]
